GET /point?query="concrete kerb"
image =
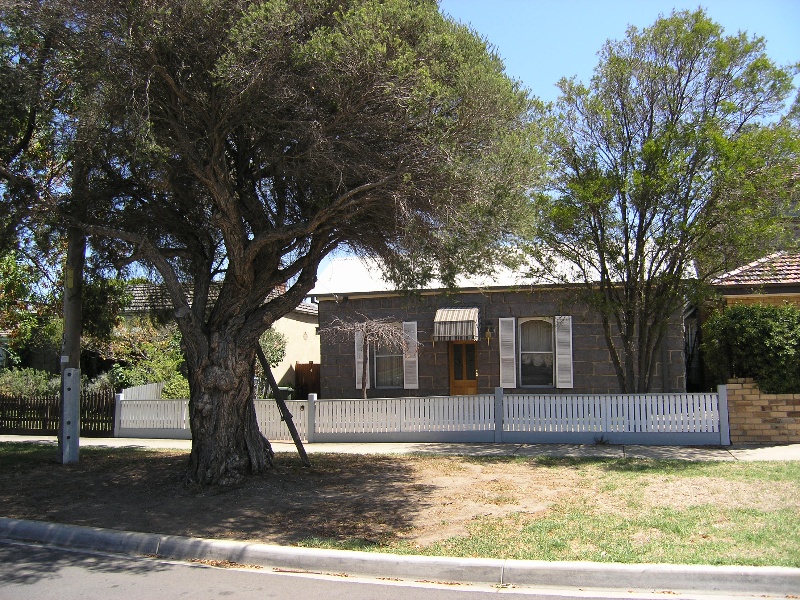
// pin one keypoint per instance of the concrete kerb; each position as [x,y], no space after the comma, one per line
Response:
[677,578]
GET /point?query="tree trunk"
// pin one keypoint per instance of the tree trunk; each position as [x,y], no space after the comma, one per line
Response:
[227,444]
[68,430]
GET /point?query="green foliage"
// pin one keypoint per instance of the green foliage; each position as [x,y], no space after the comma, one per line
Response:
[273,343]
[176,387]
[670,160]
[762,342]
[103,299]
[45,339]
[28,382]
[18,304]
[148,354]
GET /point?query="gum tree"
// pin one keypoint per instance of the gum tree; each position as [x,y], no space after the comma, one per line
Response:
[670,163]
[238,143]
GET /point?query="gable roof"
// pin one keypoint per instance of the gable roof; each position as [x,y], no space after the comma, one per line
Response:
[781,268]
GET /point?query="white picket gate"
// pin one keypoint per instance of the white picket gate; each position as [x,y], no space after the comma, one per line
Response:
[676,419]
[165,419]
[269,419]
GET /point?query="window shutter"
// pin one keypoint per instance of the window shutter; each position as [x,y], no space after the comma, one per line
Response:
[360,358]
[564,352]
[410,360]
[508,352]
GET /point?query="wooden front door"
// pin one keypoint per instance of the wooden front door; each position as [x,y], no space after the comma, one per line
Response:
[463,368]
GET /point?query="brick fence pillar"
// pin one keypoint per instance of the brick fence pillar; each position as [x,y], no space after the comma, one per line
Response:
[757,417]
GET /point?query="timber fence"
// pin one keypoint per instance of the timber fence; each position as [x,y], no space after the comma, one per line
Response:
[40,415]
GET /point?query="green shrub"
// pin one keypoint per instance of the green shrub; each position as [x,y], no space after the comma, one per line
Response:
[762,342]
[151,354]
[101,383]
[177,387]
[273,344]
[29,382]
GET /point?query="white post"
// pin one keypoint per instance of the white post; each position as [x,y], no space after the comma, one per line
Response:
[311,423]
[724,423]
[185,424]
[118,398]
[498,414]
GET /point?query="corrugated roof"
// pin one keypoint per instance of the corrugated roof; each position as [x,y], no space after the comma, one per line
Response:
[353,275]
[778,268]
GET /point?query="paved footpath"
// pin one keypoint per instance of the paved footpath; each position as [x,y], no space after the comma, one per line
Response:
[679,581]
[740,452]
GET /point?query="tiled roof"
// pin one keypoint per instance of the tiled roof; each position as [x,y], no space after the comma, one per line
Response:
[778,268]
[154,297]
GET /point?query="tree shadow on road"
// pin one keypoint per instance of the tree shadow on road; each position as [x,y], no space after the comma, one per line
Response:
[25,564]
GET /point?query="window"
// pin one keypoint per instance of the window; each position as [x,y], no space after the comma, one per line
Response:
[536,352]
[388,367]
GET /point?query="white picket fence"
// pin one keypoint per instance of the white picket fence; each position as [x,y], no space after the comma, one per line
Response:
[680,419]
[386,416]
[169,419]
[677,419]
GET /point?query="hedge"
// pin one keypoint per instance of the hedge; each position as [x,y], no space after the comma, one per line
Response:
[762,342]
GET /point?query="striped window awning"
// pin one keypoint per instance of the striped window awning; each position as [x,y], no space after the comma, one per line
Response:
[455,324]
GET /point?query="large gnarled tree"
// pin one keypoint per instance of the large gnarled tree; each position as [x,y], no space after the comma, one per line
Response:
[238,143]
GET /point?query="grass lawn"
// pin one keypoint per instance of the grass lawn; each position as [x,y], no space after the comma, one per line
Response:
[606,510]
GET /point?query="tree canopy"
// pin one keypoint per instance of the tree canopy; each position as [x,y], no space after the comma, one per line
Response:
[241,142]
[671,163]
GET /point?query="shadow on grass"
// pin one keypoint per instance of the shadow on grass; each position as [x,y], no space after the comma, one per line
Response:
[619,465]
[371,499]
[627,465]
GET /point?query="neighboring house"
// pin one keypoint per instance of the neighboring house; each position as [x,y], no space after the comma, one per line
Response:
[485,334]
[302,341]
[773,280]
[299,327]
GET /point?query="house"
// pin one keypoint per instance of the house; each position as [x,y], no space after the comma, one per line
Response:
[774,280]
[486,334]
[754,416]
[299,327]
[771,280]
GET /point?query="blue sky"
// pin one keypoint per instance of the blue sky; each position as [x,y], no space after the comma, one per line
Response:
[542,41]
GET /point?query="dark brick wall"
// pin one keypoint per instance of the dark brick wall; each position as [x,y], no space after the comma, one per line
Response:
[593,371]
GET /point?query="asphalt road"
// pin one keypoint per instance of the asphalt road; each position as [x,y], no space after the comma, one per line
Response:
[35,572]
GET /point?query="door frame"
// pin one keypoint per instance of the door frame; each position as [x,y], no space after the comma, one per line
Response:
[465,386]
